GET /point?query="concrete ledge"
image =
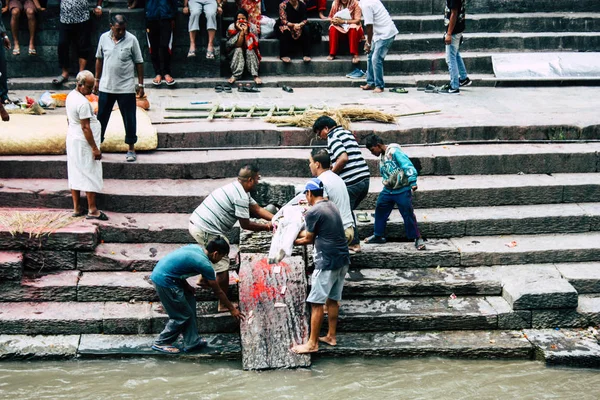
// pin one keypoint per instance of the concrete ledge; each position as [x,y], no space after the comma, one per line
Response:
[576,348]
[17,347]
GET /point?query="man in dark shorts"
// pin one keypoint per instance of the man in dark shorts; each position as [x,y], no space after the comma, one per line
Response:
[177,295]
[325,229]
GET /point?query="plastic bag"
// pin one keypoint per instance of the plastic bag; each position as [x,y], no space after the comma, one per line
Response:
[290,221]
[267,27]
[46,100]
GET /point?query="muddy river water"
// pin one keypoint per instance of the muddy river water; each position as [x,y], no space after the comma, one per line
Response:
[372,379]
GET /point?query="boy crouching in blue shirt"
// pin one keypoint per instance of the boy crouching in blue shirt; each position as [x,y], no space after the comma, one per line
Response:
[399,181]
[177,295]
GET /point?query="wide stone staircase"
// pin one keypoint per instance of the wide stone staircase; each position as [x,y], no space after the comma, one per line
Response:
[513,237]
[416,57]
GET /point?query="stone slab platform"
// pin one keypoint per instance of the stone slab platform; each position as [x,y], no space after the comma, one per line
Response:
[586,314]
[428,160]
[375,282]
[568,347]
[585,277]
[11,265]
[183,196]
[470,344]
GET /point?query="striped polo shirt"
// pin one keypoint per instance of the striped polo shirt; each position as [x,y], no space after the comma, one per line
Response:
[222,208]
[339,141]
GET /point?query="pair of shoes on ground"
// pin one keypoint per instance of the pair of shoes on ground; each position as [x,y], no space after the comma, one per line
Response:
[248,88]
[374,239]
[356,74]
[223,88]
[159,80]
[447,89]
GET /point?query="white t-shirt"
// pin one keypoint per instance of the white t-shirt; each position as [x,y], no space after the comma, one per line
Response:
[78,107]
[375,14]
[335,189]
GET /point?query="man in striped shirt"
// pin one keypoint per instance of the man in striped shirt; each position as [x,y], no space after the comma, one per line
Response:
[347,161]
[222,209]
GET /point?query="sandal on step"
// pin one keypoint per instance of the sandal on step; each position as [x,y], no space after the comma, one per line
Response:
[169,82]
[100,217]
[362,217]
[288,89]
[157,81]
[374,239]
[32,52]
[167,349]
[60,80]
[16,51]
[420,244]
[218,88]
[210,55]
[130,156]
[78,214]
[227,88]
[191,53]
[398,90]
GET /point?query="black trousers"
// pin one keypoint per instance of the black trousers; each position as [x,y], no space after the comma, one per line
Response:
[79,34]
[287,43]
[127,106]
[3,77]
[160,37]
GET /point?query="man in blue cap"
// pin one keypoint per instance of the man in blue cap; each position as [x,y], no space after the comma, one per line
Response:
[325,229]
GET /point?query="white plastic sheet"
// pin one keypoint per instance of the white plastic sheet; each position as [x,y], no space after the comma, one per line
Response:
[290,221]
[546,65]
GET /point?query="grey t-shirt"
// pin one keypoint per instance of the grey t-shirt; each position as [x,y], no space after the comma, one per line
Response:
[331,249]
[119,61]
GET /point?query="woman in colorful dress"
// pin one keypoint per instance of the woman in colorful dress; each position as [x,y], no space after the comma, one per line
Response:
[345,28]
[242,48]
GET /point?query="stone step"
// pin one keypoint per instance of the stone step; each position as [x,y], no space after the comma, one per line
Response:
[475,251]
[77,235]
[566,347]
[495,22]
[473,42]
[376,282]
[370,315]
[468,159]
[67,318]
[454,344]
[67,286]
[433,223]
[11,266]
[133,256]
[499,220]
[183,196]
[395,64]
[584,277]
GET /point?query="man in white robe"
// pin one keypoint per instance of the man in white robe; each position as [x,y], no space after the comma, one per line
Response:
[83,148]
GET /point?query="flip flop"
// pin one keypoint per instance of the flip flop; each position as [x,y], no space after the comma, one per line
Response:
[210,55]
[191,53]
[227,88]
[33,52]
[156,82]
[16,51]
[78,214]
[101,217]
[60,80]
[362,217]
[398,90]
[166,349]
[170,82]
[375,240]
[218,88]
[287,89]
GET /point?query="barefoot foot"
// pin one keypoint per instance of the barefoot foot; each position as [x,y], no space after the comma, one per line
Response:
[305,349]
[329,340]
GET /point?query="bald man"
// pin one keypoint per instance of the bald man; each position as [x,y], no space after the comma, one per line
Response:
[219,212]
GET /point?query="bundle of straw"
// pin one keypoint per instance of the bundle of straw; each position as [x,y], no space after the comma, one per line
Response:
[342,116]
[308,118]
[35,223]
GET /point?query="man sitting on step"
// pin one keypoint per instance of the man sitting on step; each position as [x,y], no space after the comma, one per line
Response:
[222,209]
[399,182]
[177,295]
[325,229]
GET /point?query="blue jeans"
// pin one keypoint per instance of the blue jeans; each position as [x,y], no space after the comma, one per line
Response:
[384,207]
[375,62]
[456,65]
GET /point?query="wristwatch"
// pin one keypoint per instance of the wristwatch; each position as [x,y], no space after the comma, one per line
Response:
[99,7]
[140,85]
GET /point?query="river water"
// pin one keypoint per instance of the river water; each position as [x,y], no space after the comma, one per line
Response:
[337,379]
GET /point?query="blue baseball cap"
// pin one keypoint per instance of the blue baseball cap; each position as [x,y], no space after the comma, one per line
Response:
[313,184]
